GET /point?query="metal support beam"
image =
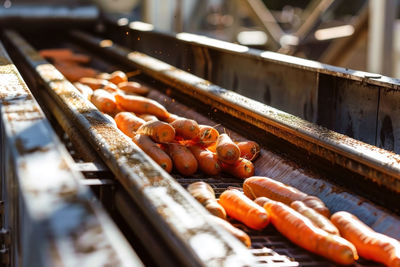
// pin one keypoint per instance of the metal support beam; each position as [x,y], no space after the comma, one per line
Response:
[380,39]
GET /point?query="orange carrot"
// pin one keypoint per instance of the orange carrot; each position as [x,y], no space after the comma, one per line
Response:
[95,84]
[370,244]
[148,117]
[128,123]
[118,77]
[184,161]
[185,128]
[227,151]
[204,194]
[74,73]
[236,232]
[317,205]
[302,232]
[104,101]
[141,105]
[242,169]
[316,218]
[248,149]
[208,162]
[154,151]
[85,90]
[103,76]
[257,186]
[241,208]
[172,118]
[64,55]
[207,135]
[159,131]
[133,88]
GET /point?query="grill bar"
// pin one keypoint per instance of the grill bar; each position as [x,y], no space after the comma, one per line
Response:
[40,186]
[176,216]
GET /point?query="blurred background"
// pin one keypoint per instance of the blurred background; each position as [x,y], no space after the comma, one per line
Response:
[357,34]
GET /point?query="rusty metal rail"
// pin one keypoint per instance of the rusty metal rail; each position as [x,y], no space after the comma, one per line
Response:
[173,213]
[51,218]
[377,165]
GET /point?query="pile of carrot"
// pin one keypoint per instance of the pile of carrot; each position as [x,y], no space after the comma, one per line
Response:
[182,144]
[174,142]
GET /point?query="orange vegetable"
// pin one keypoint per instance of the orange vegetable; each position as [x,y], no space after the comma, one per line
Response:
[171,118]
[227,151]
[64,55]
[185,128]
[154,151]
[236,232]
[159,131]
[370,244]
[148,117]
[128,123]
[133,88]
[241,208]
[208,162]
[257,186]
[316,218]
[141,105]
[242,168]
[305,234]
[204,194]
[95,84]
[85,90]
[207,135]
[184,161]
[103,76]
[317,205]
[118,77]
[75,72]
[104,101]
[248,149]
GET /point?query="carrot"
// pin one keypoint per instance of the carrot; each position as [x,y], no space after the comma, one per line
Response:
[227,151]
[370,244]
[172,118]
[236,232]
[128,123]
[159,131]
[139,104]
[185,128]
[248,149]
[74,73]
[118,77]
[303,233]
[241,208]
[184,161]
[154,151]
[148,117]
[242,169]
[133,88]
[95,84]
[316,218]
[207,135]
[317,205]
[85,90]
[64,54]
[104,101]
[257,186]
[103,76]
[208,162]
[204,194]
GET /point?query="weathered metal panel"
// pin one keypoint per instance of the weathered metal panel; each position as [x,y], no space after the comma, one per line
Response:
[53,219]
[174,214]
[348,107]
[388,133]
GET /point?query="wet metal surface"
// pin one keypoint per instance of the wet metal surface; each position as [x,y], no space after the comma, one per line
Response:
[53,221]
[173,212]
[377,165]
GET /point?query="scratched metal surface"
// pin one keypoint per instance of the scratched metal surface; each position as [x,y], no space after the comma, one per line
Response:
[176,216]
[379,166]
[52,219]
[248,71]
